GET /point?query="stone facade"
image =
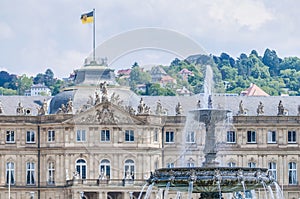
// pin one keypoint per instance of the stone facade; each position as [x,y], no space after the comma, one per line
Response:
[108,151]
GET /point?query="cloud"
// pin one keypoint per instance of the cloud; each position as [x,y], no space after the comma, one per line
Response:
[247,13]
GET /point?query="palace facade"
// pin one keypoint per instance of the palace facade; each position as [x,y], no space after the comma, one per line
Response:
[99,140]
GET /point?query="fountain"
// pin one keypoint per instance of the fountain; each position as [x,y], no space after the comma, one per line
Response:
[210,180]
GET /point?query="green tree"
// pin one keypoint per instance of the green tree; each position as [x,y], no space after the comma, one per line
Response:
[271,60]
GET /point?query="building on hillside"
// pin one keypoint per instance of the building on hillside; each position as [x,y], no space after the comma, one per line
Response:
[185,73]
[254,90]
[167,80]
[157,73]
[125,73]
[183,92]
[38,90]
[98,140]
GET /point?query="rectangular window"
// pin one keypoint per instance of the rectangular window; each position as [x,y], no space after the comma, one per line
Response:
[30,176]
[251,136]
[10,137]
[170,165]
[51,173]
[80,136]
[169,136]
[129,136]
[155,136]
[231,137]
[271,136]
[30,137]
[251,164]
[190,164]
[51,135]
[292,136]
[105,136]
[190,137]
[10,173]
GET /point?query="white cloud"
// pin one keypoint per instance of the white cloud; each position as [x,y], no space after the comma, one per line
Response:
[249,13]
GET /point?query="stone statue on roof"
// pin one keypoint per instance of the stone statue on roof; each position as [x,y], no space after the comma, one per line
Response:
[141,106]
[158,110]
[280,108]
[20,109]
[103,88]
[70,106]
[97,100]
[178,109]
[241,108]
[260,109]
[43,109]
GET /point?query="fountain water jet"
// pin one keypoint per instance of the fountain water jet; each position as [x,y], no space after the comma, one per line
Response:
[210,180]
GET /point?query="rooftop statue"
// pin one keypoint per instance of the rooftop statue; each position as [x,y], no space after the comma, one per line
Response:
[241,108]
[280,108]
[70,106]
[20,109]
[158,110]
[178,109]
[260,109]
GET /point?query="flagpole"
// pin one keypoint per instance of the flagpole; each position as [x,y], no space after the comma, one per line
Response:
[94,35]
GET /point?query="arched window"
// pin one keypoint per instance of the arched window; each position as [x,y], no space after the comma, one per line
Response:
[10,173]
[292,173]
[30,173]
[129,169]
[273,169]
[105,168]
[81,168]
[51,173]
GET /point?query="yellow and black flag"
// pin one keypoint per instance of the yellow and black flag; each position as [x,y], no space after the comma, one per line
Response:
[87,17]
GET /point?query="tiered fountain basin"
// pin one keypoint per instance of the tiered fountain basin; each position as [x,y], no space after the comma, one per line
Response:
[211,179]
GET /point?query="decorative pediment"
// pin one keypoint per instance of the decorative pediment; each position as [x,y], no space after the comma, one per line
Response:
[106,113]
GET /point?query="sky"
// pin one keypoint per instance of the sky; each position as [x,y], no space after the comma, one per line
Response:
[36,35]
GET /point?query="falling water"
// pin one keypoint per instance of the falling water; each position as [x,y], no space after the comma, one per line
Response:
[190,189]
[141,193]
[208,83]
[253,193]
[220,191]
[148,193]
[159,194]
[167,190]
[279,193]
[271,192]
[244,187]
[178,195]
[265,188]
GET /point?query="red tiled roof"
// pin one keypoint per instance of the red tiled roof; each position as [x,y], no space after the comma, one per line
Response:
[254,90]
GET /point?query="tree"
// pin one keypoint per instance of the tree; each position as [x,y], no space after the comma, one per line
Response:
[271,59]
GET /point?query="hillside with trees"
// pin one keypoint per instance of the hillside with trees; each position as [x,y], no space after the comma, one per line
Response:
[11,84]
[275,75]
